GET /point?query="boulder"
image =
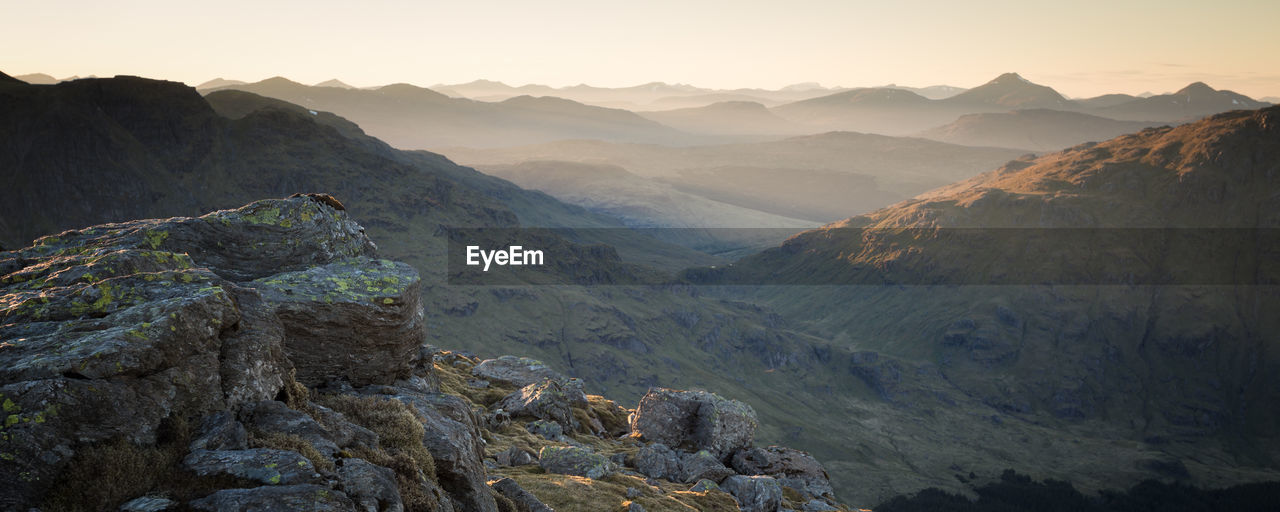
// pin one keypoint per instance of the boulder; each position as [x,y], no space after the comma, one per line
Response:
[271,498]
[358,319]
[793,468]
[148,504]
[514,456]
[818,506]
[576,461]
[754,493]
[701,465]
[548,430]
[524,500]
[371,487]
[656,460]
[519,371]
[694,420]
[274,467]
[704,486]
[220,431]
[550,400]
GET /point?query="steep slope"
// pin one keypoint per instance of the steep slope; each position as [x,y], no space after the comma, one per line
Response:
[1097,385]
[1190,103]
[818,177]
[1033,129]
[410,117]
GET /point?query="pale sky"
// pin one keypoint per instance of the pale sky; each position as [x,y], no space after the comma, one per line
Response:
[1081,48]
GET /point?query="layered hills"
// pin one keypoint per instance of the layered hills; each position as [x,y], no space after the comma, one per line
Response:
[1033,129]
[1097,385]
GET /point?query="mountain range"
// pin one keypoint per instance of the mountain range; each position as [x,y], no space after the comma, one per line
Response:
[894,388]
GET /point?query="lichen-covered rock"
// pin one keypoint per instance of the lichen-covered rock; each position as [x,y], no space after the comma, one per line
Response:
[701,465]
[371,487]
[657,460]
[272,498]
[358,319]
[148,504]
[520,371]
[576,461]
[694,420]
[793,468]
[273,467]
[551,400]
[524,500]
[220,431]
[754,493]
[548,430]
[817,506]
[704,486]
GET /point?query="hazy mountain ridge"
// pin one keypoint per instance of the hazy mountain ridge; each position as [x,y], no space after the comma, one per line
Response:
[1032,129]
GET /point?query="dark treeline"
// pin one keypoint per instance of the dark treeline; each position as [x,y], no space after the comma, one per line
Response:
[1019,493]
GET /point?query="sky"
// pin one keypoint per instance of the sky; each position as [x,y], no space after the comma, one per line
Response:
[1081,48]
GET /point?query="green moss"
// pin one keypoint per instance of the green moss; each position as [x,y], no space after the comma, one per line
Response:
[263,216]
[9,406]
[155,237]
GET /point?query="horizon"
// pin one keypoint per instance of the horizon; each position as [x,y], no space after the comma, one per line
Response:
[1139,47]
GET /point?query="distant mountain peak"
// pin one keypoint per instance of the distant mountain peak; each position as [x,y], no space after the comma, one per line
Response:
[279,80]
[334,82]
[1009,78]
[1196,87]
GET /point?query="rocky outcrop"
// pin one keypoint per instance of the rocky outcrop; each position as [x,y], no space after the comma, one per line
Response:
[358,319]
[576,461]
[793,468]
[754,493]
[551,400]
[291,374]
[520,371]
[694,419]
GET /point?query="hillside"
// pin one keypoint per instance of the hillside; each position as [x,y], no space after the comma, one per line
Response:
[1097,385]
[727,118]
[1033,129]
[1190,103]
[817,177]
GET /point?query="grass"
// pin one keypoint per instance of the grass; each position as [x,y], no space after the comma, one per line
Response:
[567,493]
[400,447]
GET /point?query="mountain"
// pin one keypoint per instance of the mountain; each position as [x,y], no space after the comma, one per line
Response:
[412,117]
[817,177]
[1033,129]
[650,96]
[38,79]
[1011,91]
[933,92]
[882,110]
[1106,100]
[88,152]
[1189,103]
[727,117]
[217,83]
[1100,386]
[331,83]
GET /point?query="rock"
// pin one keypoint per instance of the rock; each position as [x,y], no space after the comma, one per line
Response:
[454,439]
[656,460]
[633,493]
[515,457]
[220,431]
[701,465]
[148,504]
[273,467]
[551,400]
[793,468]
[576,461]
[284,498]
[548,430]
[371,487]
[754,493]
[634,507]
[358,319]
[520,371]
[704,486]
[817,506]
[344,433]
[524,500]
[694,419]
[273,416]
